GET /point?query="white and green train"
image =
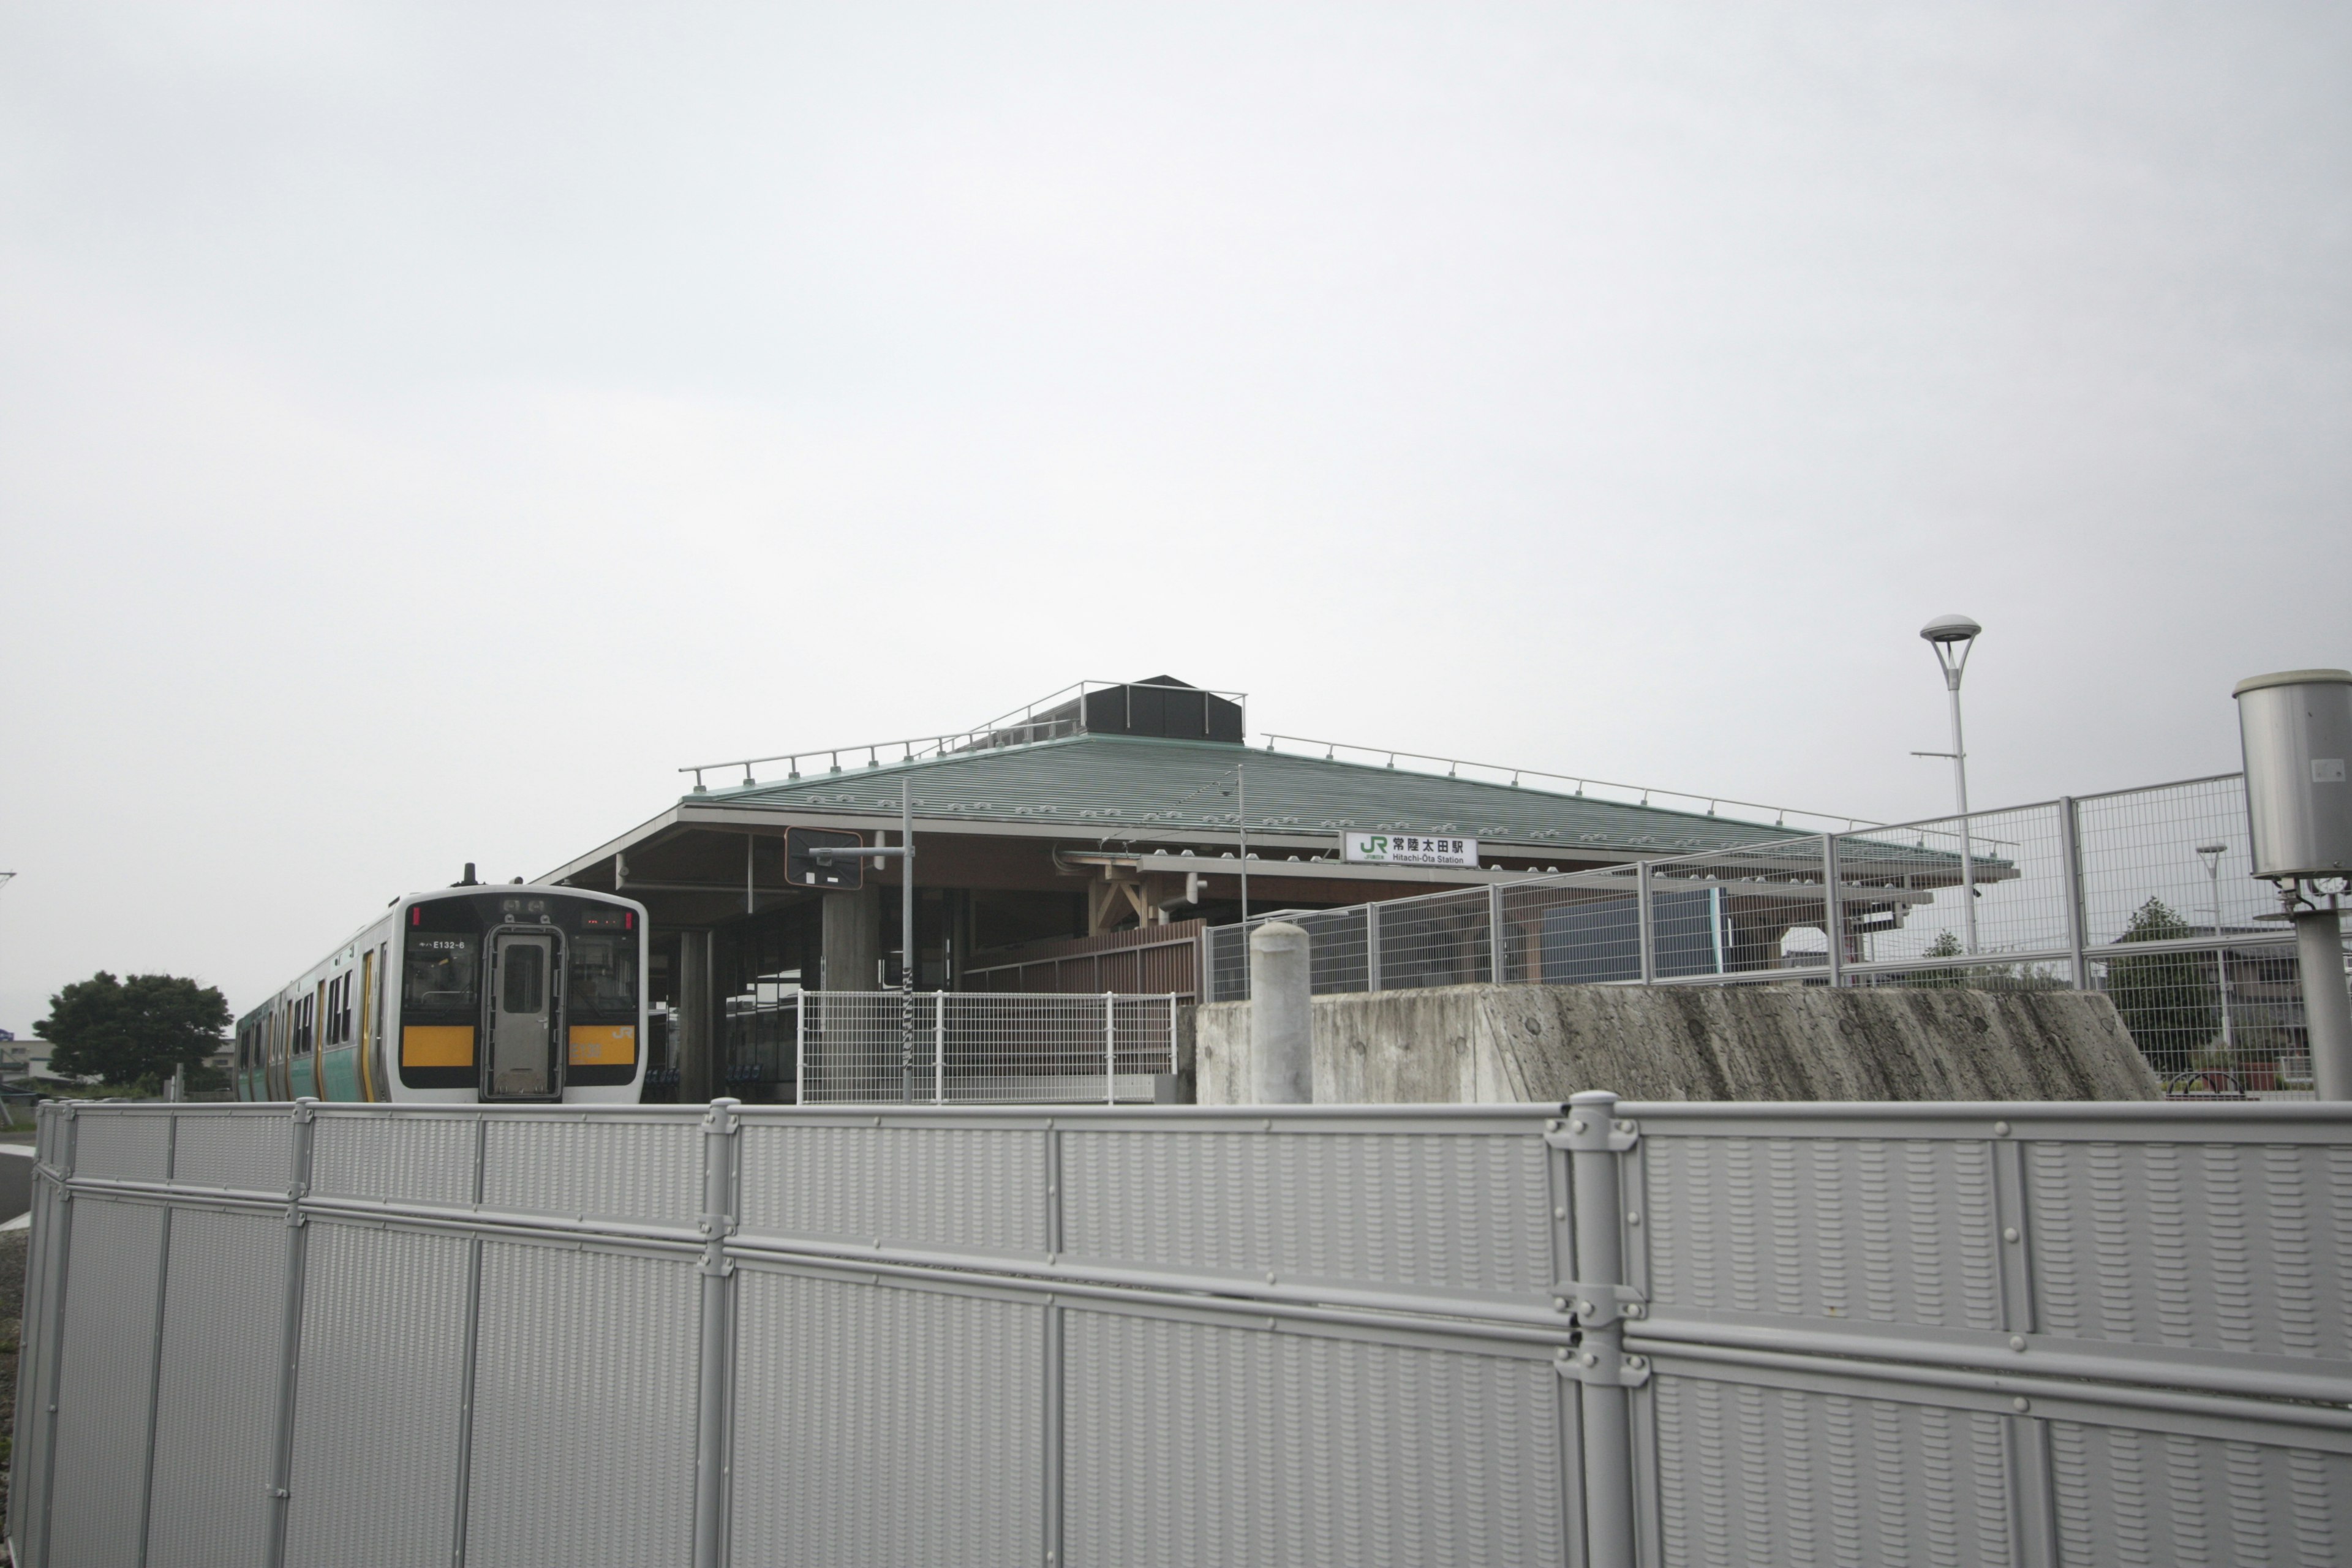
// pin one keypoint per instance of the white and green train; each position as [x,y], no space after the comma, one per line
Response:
[474,993]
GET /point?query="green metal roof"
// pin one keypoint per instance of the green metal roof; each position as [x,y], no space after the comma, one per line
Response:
[1131,788]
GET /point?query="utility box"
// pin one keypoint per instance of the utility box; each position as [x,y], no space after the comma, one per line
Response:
[2296,731]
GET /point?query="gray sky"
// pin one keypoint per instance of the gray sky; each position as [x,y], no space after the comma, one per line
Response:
[420,427]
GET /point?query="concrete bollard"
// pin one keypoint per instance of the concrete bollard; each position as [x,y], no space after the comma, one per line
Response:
[1282,1015]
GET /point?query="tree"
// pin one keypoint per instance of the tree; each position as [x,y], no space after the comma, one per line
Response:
[2168,1000]
[1946,945]
[133,1031]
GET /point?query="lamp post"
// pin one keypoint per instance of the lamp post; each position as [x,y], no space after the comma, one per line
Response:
[1952,636]
[2212,855]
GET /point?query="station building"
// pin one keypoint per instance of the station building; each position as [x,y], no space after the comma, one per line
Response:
[1081,843]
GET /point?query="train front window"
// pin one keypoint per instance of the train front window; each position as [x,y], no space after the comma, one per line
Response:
[602,977]
[439,974]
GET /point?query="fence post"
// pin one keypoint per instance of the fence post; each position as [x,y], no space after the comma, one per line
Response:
[1171,1034]
[1110,1047]
[297,1187]
[2070,841]
[800,1049]
[156,1346]
[714,1355]
[1608,1426]
[1495,944]
[1642,919]
[940,1047]
[60,1254]
[1833,922]
[1371,947]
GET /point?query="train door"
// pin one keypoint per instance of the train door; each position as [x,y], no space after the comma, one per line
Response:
[366,1056]
[521,1062]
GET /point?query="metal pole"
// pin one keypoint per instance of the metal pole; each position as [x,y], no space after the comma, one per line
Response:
[2221,955]
[939,1047]
[713,1357]
[1608,1442]
[1496,956]
[1241,821]
[1961,792]
[2327,1011]
[1171,1034]
[1110,1047]
[1371,947]
[2070,832]
[800,1047]
[289,1345]
[906,938]
[1832,920]
[1642,919]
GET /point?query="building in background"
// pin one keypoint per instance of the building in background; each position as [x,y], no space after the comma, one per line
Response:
[1081,843]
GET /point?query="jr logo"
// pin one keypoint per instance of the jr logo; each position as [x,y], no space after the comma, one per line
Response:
[1376,846]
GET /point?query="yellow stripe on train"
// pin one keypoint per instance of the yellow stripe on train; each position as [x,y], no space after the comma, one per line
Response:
[436,1046]
[604,1044]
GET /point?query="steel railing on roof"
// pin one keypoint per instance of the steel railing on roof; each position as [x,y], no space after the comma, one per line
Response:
[1584,783]
[1020,727]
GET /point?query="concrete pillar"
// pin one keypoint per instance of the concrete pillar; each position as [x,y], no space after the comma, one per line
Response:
[2326,1011]
[1282,1015]
[698,1037]
[852,941]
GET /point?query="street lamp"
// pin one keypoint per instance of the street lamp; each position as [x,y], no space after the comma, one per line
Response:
[1951,636]
[2212,855]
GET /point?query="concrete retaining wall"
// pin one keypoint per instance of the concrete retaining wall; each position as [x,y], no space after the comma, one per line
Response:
[1484,1043]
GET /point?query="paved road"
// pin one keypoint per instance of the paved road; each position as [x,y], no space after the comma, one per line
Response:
[15,1185]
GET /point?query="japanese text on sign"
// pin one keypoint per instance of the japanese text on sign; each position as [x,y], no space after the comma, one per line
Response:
[1409,849]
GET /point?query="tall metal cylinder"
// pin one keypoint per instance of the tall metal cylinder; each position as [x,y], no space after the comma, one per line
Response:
[1282,1015]
[2296,731]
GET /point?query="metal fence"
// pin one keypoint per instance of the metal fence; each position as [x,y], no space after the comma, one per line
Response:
[825,1047]
[2144,894]
[1600,1335]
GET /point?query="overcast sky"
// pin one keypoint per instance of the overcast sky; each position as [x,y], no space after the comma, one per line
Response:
[425,427]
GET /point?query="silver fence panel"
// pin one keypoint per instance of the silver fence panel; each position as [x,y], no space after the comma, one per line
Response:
[634,1166]
[396,1156]
[132,1143]
[861,1184]
[1753,1472]
[2184,1491]
[887,1422]
[105,1388]
[583,1443]
[37,1368]
[2168,1241]
[243,1150]
[2026,1333]
[378,1424]
[1197,1440]
[217,1392]
[1459,1214]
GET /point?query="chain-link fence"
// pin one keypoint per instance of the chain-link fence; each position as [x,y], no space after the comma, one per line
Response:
[2144,894]
[964,1048]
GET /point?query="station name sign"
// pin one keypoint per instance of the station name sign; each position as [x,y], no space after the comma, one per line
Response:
[1409,849]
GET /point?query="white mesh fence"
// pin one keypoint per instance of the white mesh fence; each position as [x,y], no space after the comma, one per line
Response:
[981,1047]
[2146,894]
